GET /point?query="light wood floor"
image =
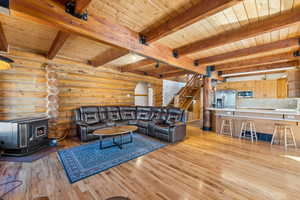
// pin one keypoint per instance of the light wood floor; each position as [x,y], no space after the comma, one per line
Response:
[205,166]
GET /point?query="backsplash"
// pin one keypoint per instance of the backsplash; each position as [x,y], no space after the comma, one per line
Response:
[288,103]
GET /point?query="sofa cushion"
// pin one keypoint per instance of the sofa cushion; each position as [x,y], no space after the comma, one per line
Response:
[155,113]
[128,113]
[174,116]
[113,113]
[142,123]
[102,113]
[162,128]
[164,114]
[143,113]
[94,127]
[90,114]
[91,118]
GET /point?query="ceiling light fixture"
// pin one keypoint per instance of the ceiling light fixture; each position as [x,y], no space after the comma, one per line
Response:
[255,72]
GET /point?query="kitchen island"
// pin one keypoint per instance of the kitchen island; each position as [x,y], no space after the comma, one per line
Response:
[264,120]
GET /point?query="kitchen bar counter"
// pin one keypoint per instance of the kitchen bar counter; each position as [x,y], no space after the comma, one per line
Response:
[265,111]
[264,119]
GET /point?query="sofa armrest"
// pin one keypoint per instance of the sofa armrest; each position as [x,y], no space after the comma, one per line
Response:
[176,124]
[179,132]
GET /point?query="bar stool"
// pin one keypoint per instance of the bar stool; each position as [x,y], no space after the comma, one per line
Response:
[282,128]
[226,124]
[249,126]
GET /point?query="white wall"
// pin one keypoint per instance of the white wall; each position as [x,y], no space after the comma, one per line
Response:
[141,89]
[170,88]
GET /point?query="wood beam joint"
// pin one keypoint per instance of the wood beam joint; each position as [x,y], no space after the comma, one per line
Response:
[57,44]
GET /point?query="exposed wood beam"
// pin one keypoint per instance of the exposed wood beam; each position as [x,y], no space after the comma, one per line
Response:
[251,30]
[174,74]
[256,61]
[263,67]
[98,29]
[57,44]
[288,43]
[108,56]
[201,10]
[3,40]
[145,73]
[137,65]
[173,71]
[163,68]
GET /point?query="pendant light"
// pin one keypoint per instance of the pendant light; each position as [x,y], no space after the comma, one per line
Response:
[5,63]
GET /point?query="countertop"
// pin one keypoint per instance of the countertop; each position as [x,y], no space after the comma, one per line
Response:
[263,111]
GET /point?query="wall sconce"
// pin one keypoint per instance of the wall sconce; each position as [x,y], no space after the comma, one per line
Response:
[5,63]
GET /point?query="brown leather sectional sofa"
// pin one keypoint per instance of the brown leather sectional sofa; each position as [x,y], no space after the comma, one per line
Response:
[168,124]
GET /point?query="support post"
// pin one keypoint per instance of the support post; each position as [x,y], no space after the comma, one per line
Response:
[206,98]
[52,100]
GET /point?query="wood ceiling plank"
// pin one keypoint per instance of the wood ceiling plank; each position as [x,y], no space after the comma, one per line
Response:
[100,30]
[263,67]
[3,40]
[288,43]
[108,56]
[251,30]
[201,10]
[256,61]
[57,44]
[137,65]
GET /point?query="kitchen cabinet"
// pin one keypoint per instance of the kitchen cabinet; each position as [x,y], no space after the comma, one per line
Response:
[266,89]
[260,88]
[282,88]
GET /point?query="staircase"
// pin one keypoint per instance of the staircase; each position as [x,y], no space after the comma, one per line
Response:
[184,98]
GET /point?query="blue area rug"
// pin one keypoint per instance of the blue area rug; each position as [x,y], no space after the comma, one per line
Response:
[86,160]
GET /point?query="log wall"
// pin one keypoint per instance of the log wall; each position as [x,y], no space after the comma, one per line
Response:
[25,91]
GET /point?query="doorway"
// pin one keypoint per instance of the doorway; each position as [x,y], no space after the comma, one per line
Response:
[143,94]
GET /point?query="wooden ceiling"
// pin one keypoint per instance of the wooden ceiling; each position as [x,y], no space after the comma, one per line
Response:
[225,33]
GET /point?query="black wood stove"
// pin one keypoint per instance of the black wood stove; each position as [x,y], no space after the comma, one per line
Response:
[20,137]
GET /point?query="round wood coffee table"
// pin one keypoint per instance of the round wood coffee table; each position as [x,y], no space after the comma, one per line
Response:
[115,132]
